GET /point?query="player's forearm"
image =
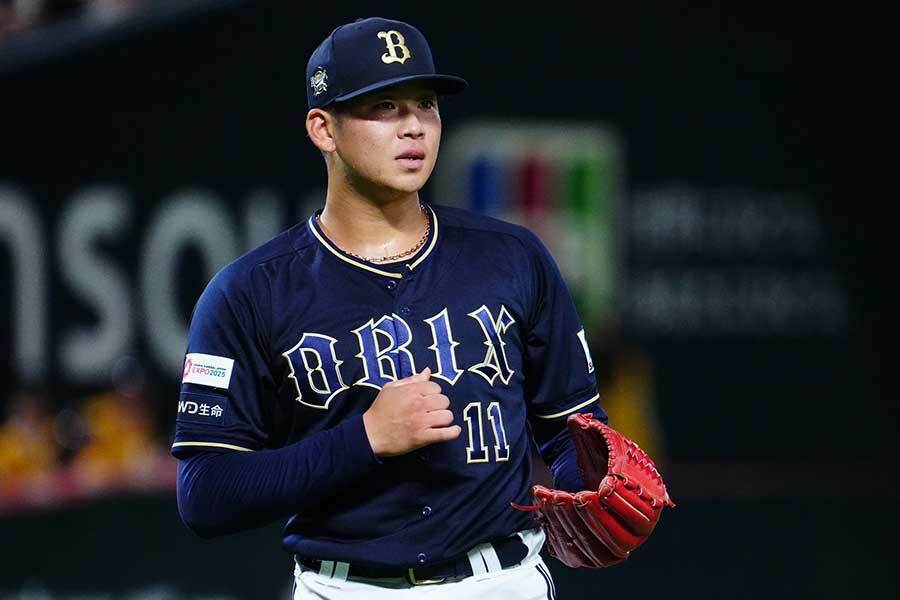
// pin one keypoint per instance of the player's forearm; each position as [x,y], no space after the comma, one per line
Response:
[221,493]
[557,448]
[560,455]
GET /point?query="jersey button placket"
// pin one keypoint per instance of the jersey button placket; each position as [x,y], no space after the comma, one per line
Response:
[391,285]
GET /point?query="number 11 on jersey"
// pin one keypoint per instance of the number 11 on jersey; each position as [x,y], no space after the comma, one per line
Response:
[475,426]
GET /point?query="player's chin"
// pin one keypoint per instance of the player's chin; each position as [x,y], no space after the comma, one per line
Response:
[410,181]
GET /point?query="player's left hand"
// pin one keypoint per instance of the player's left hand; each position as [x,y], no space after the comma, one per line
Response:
[625,496]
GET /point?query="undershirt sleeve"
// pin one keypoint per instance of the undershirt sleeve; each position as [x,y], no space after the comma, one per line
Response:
[224,491]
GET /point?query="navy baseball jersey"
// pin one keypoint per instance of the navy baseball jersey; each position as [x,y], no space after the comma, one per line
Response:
[297,337]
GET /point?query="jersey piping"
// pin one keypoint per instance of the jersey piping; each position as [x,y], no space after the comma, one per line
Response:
[361,265]
[569,410]
[212,445]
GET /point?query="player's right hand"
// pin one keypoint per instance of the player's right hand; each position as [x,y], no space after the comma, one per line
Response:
[408,414]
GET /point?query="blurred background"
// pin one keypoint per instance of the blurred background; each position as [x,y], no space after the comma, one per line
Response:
[710,177]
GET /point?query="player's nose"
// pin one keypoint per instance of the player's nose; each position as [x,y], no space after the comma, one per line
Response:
[411,126]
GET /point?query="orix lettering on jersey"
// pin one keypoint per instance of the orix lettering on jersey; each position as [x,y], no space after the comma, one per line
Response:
[382,342]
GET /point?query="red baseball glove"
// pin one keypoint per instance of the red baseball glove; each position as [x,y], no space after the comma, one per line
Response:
[600,526]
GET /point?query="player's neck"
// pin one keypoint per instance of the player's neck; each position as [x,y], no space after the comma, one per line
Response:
[358,225]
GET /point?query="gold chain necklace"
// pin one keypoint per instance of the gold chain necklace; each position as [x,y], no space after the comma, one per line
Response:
[412,250]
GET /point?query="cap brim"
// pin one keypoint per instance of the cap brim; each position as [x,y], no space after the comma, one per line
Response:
[443,85]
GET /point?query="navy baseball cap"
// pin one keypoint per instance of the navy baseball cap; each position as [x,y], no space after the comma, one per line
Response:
[370,54]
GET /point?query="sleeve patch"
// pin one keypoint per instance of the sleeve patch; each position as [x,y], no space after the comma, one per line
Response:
[587,351]
[207,369]
[203,409]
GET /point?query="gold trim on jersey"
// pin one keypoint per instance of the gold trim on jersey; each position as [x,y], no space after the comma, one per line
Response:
[211,444]
[568,410]
[361,265]
[431,245]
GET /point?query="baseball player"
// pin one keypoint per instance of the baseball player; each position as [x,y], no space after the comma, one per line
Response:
[376,374]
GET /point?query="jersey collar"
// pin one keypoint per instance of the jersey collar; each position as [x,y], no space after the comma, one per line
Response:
[372,267]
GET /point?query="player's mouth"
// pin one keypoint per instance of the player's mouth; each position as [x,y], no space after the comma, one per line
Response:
[411,158]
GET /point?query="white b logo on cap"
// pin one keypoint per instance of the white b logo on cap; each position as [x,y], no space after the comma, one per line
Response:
[394,39]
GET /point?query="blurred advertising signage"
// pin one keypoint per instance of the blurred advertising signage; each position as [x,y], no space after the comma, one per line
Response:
[561,180]
[730,262]
[107,278]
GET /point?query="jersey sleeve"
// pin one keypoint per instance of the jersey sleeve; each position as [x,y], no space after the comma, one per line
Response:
[227,385]
[559,371]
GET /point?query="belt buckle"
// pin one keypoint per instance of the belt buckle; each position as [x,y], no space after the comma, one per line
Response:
[414,581]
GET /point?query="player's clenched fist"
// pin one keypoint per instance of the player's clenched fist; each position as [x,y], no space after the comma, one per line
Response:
[408,414]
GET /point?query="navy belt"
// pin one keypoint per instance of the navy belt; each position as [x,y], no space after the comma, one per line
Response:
[510,551]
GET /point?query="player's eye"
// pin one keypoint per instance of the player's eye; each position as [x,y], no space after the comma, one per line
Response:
[428,103]
[385,105]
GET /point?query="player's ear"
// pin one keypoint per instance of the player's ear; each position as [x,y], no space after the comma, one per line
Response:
[320,129]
